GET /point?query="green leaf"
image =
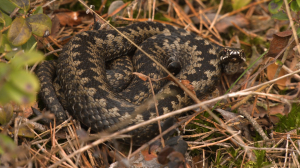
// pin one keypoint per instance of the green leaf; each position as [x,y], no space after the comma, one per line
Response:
[298,2]
[39,9]
[7,146]
[280,16]
[5,45]
[1,39]
[298,31]
[237,4]
[24,131]
[295,7]
[24,81]
[4,72]
[40,24]
[27,58]
[6,113]
[5,19]
[23,4]
[10,93]
[7,6]
[19,32]
[10,55]
[19,86]
[31,42]
[274,6]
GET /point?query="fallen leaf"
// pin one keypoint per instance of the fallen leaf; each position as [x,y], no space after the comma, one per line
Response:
[71,18]
[261,22]
[282,84]
[148,156]
[55,26]
[279,42]
[223,25]
[188,85]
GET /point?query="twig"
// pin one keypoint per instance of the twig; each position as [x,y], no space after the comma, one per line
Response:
[241,93]
[4,29]
[288,12]
[51,52]
[217,14]
[247,98]
[241,9]
[296,76]
[63,154]
[271,81]
[254,123]
[248,33]
[214,143]
[265,66]
[266,149]
[163,133]
[156,109]
[286,151]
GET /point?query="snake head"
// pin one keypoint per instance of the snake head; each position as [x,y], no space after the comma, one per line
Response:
[232,59]
[174,65]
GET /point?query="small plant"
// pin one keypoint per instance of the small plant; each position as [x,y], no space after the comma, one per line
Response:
[278,10]
[17,45]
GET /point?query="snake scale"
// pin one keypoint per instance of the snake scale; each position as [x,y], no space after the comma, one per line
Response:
[78,82]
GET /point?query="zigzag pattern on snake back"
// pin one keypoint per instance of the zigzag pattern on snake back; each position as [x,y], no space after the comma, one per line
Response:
[81,85]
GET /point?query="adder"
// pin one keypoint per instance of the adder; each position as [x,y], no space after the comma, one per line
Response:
[78,82]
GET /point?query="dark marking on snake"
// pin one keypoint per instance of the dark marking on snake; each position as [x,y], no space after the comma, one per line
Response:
[78,81]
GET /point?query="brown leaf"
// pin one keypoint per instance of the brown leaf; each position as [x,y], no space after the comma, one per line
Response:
[223,25]
[177,160]
[280,40]
[270,33]
[27,111]
[287,33]
[148,156]
[282,84]
[55,26]
[71,18]
[188,85]
[162,157]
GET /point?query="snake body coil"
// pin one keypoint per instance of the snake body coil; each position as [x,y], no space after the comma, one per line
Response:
[78,82]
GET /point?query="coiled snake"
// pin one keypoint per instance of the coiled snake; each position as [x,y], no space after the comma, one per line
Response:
[77,81]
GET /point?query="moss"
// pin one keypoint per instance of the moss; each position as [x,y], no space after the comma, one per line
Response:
[290,121]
